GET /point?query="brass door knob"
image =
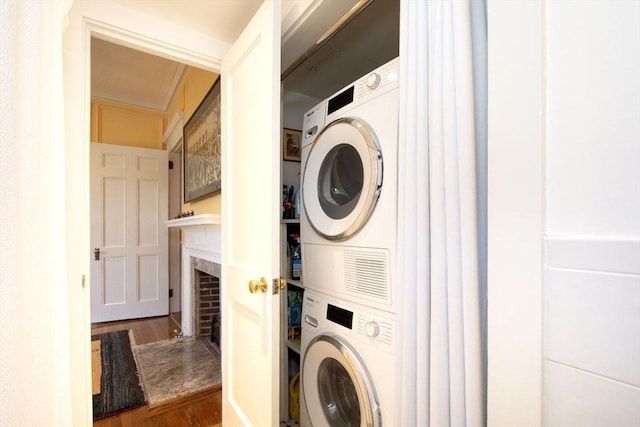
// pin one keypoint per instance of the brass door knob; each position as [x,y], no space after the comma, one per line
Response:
[255,285]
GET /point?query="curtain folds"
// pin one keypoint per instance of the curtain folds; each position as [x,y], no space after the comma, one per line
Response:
[441,225]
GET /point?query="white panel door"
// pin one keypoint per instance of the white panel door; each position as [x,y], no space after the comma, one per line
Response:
[250,220]
[129,249]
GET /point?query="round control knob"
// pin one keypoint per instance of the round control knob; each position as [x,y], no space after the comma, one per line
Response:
[373,80]
[372,329]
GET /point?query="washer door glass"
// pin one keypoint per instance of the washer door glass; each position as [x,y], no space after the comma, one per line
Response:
[342,178]
[336,385]
[337,394]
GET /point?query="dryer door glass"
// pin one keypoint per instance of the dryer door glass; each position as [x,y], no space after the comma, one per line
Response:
[338,394]
[340,181]
[342,178]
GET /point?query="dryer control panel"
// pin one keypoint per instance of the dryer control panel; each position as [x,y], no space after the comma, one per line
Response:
[313,123]
[377,82]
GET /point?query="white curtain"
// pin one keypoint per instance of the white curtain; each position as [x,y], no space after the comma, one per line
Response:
[35,372]
[442,232]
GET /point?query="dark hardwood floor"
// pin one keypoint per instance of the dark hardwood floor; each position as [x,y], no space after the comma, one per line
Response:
[203,410]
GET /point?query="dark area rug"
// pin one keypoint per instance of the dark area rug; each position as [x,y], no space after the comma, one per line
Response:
[119,383]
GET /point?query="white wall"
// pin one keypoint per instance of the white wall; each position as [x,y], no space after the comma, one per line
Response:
[592,242]
[515,214]
[564,213]
[593,121]
[35,283]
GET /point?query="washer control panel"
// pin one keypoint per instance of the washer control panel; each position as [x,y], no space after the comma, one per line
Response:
[375,326]
[364,323]
[372,329]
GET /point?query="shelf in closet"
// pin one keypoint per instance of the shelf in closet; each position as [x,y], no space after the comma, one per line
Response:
[295,282]
[290,221]
[294,345]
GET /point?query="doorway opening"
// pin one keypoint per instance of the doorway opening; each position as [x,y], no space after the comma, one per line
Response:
[130,107]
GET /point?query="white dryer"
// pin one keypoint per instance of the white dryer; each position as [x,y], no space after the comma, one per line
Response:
[349,191]
[347,366]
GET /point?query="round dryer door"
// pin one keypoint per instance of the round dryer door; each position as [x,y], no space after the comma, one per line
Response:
[342,178]
[336,386]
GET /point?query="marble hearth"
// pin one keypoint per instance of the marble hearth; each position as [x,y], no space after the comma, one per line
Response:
[201,251]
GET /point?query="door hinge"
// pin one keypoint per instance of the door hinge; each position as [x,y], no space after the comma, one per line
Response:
[170,293]
[170,164]
[83,281]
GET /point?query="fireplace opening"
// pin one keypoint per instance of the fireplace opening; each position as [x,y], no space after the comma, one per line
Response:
[208,307]
[206,300]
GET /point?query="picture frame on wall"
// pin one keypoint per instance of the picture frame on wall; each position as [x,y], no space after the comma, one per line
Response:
[291,144]
[202,148]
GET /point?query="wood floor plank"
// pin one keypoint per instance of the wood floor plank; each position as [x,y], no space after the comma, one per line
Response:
[203,409]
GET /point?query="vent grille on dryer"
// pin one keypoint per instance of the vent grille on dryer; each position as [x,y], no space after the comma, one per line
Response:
[367,274]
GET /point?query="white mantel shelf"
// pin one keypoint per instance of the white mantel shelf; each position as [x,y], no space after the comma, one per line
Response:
[201,220]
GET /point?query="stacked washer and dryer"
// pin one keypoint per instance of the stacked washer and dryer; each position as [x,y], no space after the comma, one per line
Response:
[348,232]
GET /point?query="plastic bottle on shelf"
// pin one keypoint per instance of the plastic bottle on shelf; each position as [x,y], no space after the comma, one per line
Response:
[296,258]
[296,204]
[297,201]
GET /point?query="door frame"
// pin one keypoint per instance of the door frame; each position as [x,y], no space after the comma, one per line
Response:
[125,27]
[175,246]
[173,139]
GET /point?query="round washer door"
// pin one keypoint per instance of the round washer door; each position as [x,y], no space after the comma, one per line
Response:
[342,178]
[337,388]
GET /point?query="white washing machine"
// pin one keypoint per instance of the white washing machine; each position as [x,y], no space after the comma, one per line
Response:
[347,366]
[349,191]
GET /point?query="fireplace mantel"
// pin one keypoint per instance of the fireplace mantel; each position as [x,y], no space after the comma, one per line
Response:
[202,220]
[201,238]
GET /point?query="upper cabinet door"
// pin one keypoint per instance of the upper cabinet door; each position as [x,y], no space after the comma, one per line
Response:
[250,212]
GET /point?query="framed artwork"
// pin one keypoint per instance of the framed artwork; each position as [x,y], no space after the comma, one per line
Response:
[202,148]
[291,144]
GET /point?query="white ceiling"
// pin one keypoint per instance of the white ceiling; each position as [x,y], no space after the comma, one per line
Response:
[132,77]
[221,19]
[139,79]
